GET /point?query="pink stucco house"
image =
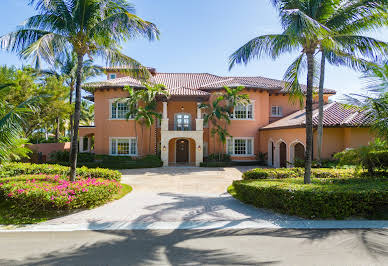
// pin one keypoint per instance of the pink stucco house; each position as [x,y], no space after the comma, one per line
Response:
[269,124]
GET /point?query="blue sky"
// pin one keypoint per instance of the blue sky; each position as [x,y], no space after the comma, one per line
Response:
[199,36]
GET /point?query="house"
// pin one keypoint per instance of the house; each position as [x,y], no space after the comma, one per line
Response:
[269,124]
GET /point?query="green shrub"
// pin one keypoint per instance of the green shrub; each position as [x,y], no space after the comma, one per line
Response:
[63,156]
[315,164]
[35,193]
[372,157]
[324,198]
[15,169]
[281,173]
[215,157]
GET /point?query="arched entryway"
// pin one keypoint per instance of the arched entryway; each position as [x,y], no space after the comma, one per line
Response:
[182,152]
[283,154]
[297,151]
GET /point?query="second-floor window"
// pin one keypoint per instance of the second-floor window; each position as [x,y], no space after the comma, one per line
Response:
[243,111]
[119,110]
[183,122]
[276,111]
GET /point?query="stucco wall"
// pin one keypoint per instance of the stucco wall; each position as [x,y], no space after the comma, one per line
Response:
[105,127]
[47,148]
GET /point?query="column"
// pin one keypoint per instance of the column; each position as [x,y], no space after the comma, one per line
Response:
[164,110]
[199,120]
[164,151]
[198,151]
[199,113]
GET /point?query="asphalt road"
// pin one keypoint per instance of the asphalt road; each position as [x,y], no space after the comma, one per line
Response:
[196,247]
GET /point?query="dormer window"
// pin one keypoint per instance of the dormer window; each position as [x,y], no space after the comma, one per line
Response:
[112,76]
[276,111]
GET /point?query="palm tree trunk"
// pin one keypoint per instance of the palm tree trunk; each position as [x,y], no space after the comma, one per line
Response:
[77,113]
[320,115]
[149,143]
[57,129]
[309,117]
[71,114]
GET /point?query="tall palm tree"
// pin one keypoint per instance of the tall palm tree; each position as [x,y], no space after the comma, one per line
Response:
[85,27]
[347,19]
[305,34]
[87,113]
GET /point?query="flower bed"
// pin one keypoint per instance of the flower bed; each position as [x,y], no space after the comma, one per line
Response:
[45,192]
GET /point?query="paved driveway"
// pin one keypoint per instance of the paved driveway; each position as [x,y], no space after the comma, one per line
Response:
[184,198]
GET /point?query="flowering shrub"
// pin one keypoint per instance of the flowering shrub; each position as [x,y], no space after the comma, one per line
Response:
[45,192]
[15,169]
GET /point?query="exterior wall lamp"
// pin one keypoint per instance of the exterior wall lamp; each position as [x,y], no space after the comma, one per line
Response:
[199,147]
[164,148]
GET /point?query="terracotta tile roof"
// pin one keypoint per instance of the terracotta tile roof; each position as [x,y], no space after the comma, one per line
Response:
[187,92]
[201,81]
[334,115]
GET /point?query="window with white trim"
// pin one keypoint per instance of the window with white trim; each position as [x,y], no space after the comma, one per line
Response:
[276,111]
[182,122]
[119,110]
[123,146]
[240,146]
[243,111]
[112,76]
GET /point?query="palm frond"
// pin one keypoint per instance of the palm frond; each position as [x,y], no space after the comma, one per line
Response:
[292,77]
[272,45]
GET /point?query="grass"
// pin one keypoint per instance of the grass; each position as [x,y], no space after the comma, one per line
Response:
[10,215]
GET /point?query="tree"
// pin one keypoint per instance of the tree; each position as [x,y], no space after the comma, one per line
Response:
[66,67]
[85,27]
[347,22]
[305,34]
[87,113]
[11,125]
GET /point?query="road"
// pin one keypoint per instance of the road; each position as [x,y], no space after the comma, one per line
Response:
[196,247]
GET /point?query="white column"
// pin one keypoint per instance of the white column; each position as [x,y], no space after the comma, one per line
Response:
[199,113]
[164,110]
[277,156]
[198,151]
[81,144]
[89,144]
[164,151]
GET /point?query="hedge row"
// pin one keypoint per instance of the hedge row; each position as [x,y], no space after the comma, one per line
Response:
[324,198]
[282,173]
[15,169]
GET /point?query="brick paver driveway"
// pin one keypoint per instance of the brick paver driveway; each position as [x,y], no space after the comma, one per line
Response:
[169,197]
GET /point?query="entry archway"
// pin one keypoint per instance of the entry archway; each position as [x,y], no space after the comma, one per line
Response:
[297,151]
[280,154]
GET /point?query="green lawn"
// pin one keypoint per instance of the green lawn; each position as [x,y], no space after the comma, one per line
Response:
[12,216]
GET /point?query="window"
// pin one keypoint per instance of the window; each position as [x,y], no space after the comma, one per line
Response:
[119,110]
[123,146]
[243,112]
[276,111]
[240,146]
[112,76]
[182,122]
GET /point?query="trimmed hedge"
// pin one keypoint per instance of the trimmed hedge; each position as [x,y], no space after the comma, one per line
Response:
[114,162]
[281,173]
[15,169]
[230,164]
[324,198]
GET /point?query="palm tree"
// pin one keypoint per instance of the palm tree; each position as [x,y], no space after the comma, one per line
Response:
[12,119]
[87,113]
[346,21]
[305,34]
[216,113]
[85,27]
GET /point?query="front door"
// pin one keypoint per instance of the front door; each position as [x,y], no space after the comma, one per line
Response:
[182,151]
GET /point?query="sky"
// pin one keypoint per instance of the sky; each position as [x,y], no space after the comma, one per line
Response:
[199,36]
